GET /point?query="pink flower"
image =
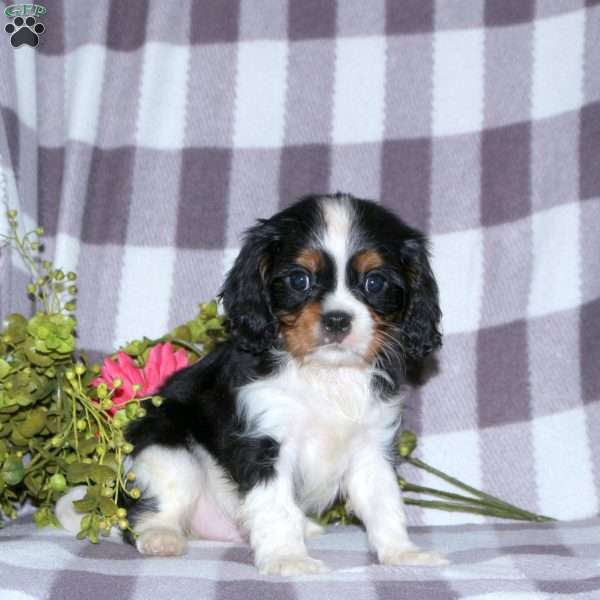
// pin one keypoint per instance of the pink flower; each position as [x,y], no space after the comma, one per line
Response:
[162,362]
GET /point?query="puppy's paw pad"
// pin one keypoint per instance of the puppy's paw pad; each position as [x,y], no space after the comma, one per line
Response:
[161,542]
[289,566]
[312,528]
[413,556]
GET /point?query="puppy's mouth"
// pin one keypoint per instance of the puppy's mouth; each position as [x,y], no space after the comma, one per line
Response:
[336,346]
[336,352]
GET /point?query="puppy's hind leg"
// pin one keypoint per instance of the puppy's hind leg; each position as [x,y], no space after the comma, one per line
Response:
[170,480]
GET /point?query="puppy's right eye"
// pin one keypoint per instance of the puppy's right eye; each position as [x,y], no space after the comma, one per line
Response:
[299,280]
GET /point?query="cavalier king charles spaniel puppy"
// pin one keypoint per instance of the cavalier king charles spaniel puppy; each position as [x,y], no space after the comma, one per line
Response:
[328,302]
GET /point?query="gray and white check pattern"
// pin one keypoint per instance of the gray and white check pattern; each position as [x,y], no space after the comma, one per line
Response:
[146,136]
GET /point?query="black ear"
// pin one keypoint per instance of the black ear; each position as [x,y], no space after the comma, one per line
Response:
[245,294]
[419,333]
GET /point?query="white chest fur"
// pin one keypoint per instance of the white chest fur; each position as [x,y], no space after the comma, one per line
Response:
[322,416]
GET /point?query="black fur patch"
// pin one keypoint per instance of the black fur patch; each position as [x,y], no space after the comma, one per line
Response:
[199,407]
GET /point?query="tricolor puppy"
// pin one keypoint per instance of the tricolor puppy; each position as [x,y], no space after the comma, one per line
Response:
[328,301]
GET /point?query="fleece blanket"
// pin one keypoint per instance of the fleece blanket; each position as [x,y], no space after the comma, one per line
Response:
[501,562]
[146,136]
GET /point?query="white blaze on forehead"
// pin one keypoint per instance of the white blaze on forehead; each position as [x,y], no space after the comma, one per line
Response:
[337,241]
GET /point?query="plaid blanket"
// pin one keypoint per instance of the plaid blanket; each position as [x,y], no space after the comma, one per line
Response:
[145,137]
[502,562]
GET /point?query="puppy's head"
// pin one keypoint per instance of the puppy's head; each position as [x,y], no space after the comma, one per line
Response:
[335,280]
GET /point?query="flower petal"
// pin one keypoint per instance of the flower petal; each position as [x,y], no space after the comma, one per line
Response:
[129,370]
[167,365]
[110,370]
[181,359]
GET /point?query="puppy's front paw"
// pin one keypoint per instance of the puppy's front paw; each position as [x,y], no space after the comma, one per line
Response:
[161,542]
[411,556]
[291,565]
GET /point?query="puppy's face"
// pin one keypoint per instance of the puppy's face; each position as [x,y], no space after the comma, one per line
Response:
[337,296]
[334,280]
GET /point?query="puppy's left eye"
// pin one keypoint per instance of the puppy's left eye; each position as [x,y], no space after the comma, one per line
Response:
[299,280]
[374,283]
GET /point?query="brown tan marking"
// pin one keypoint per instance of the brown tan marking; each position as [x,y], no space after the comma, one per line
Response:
[310,259]
[300,330]
[377,337]
[367,260]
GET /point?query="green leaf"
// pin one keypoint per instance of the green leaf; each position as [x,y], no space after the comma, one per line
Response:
[66,346]
[78,472]
[107,506]
[15,321]
[86,504]
[34,423]
[53,424]
[34,356]
[42,391]
[213,324]
[209,309]
[34,481]
[16,327]
[53,342]
[13,470]
[86,447]
[134,348]
[43,332]
[4,368]
[23,399]
[182,333]
[17,439]
[86,521]
[102,473]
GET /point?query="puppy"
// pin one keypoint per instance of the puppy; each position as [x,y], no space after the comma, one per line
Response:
[328,301]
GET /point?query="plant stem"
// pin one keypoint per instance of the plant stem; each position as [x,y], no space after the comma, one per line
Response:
[419,489]
[489,499]
[467,508]
[30,263]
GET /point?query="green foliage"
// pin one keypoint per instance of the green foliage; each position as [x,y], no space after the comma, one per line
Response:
[55,428]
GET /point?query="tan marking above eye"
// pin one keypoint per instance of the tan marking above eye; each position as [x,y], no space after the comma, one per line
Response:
[367,260]
[310,259]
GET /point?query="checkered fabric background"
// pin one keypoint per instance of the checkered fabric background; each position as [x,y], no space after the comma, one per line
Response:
[145,137]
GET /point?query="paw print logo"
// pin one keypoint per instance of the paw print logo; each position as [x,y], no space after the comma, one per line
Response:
[24,31]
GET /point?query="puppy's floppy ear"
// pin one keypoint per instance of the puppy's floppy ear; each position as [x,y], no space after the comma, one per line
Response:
[246,295]
[419,333]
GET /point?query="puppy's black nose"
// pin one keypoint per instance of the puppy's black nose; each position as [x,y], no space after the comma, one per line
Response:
[337,324]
